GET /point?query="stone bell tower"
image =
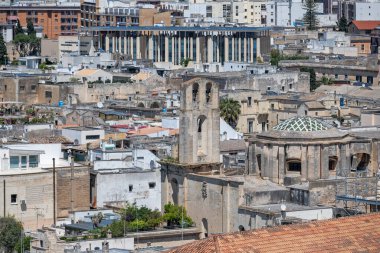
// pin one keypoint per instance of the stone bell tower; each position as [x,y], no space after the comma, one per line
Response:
[199,133]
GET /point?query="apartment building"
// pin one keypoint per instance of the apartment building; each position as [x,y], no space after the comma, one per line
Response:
[55,20]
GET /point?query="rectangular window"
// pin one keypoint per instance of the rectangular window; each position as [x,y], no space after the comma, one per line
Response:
[152,185]
[24,161]
[14,162]
[48,94]
[22,87]
[250,126]
[249,101]
[92,137]
[33,161]
[33,87]
[13,198]
[130,187]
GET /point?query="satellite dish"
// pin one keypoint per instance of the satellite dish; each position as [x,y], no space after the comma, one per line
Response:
[283,207]
[99,105]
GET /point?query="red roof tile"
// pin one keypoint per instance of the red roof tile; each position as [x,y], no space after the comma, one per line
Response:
[350,234]
[366,25]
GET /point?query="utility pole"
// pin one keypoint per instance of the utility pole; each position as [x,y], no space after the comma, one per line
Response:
[72,183]
[54,194]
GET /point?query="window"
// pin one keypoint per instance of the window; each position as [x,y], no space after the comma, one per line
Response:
[152,185]
[48,94]
[362,47]
[13,198]
[33,161]
[33,87]
[5,87]
[294,166]
[92,137]
[272,106]
[24,160]
[249,101]
[130,187]
[336,76]
[22,87]
[268,88]
[14,162]
[250,126]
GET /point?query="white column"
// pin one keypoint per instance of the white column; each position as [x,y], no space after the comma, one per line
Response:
[107,43]
[258,51]
[251,49]
[173,47]
[191,48]
[226,49]
[217,48]
[166,48]
[113,44]
[210,49]
[233,49]
[179,50]
[119,45]
[239,49]
[150,47]
[125,44]
[138,53]
[198,49]
[245,49]
[131,46]
[184,47]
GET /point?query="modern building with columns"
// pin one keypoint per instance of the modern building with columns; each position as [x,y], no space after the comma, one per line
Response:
[173,44]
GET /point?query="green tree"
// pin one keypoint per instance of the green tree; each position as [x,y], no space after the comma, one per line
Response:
[10,233]
[176,215]
[30,27]
[25,241]
[3,50]
[313,78]
[27,44]
[310,17]
[275,57]
[18,28]
[342,24]
[326,80]
[230,111]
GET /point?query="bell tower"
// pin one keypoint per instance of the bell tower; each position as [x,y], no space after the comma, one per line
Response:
[199,122]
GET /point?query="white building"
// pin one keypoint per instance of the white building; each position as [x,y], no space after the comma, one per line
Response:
[83,135]
[367,10]
[290,12]
[134,185]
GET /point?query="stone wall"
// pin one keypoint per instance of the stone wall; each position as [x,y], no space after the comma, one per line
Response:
[73,192]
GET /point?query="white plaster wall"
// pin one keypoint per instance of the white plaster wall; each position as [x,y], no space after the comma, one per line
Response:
[28,128]
[172,122]
[73,134]
[51,150]
[115,187]
[227,132]
[112,165]
[147,158]
[317,214]
[120,243]
[367,11]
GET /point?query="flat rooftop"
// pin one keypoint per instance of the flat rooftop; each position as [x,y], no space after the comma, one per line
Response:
[177,28]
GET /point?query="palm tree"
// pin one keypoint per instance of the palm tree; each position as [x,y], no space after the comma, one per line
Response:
[230,111]
[326,80]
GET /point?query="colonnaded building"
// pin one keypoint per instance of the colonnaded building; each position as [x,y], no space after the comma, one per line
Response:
[174,44]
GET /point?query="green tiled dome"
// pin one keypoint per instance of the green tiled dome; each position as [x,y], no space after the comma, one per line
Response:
[302,124]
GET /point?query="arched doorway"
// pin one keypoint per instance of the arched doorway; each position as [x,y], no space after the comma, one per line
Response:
[360,161]
[174,191]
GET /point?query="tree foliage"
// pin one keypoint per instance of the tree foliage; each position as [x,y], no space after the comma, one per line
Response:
[30,28]
[27,44]
[176,215]
[230,111]
[310,17]
[276,56]
[313,79]
[3,50]
[18,28]
[25,241]
[10,233]
[342,24]
[326,80]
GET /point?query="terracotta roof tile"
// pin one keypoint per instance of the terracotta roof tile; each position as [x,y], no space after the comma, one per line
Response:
[366,25]
[350,234]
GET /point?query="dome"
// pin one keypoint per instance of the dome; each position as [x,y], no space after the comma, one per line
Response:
[302,124]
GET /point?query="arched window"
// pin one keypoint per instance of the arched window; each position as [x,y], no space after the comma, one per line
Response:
[155,105]
[195,91]
[208,92]
[141,104]
[201,120]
